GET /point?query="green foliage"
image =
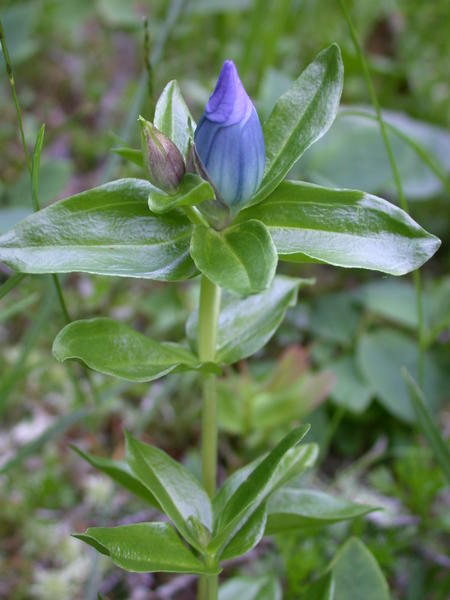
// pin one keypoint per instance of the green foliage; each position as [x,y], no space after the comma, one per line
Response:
[113,348]
[192,190]
[242,259]
[344,228]
[300,117]
[245,325]
[144,547]
[107,230]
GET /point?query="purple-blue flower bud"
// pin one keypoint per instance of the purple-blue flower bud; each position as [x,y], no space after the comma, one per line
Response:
[229,139]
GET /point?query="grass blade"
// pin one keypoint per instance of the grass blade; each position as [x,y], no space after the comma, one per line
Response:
[426,423]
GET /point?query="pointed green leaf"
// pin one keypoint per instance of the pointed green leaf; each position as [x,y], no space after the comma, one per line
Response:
[295,462]
[145,548]
[301,116]
[248,536]
[246,325]
[179,494]
[251,493]
[120,472]
[426,423]
[291,509]
[173,118]
[381,354]
[193,190]
[114,348]
[131,154]
[107,230]
[241,259]
[345,228]
[357,575]
[266,587]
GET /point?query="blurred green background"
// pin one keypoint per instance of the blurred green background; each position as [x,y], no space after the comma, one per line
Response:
[79,67]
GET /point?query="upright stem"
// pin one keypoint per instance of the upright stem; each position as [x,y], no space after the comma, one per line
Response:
[207,338]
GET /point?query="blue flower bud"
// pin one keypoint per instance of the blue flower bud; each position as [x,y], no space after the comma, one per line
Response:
[229,140]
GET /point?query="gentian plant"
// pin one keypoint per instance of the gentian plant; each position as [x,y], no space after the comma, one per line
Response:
[214,204]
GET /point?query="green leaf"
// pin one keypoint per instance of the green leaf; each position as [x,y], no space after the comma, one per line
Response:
[381,355]
[179,494]
[107,230]
[357,575]
[241,258]
[294,463]
[248,536]
[291,509]
[173,118]
[321,589]
[246,325]
[301,116]
[345,228]
[145,548]
[131,154]
[351,389]
[113,348]
[120,472]
[265,587]
[35,165]
[251,493]
[353,154]
[426,423]
[193,190]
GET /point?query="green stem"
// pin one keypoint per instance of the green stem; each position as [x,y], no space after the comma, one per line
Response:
[12,84]
[398,184]
[207,338]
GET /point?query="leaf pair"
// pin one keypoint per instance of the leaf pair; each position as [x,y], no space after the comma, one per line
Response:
[229,526]
[253,502]
[114,348]
[109,230]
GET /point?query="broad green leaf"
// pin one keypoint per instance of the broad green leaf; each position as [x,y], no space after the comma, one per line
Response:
[173,118]
[246,325]
[300,117]
[334,317]
[320,589]
[353,154]
[248,536]
[242,258]
[345,228]
[427,424]
[120,472]
[179,494]
[144,548]
[381,355]
[292,508]
[391,299]
[357,575]
[248,497]
[107,230]
[193,190]
[266,587]
[351,389]
[114,348]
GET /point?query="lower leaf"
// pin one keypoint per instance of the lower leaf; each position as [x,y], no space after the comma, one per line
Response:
[113,348]
[145,548]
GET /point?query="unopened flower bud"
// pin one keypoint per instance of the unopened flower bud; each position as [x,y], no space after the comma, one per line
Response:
[164,162]
[229,140]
